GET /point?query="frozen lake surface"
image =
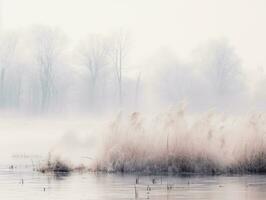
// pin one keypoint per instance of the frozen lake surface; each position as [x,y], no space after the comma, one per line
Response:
[18,184]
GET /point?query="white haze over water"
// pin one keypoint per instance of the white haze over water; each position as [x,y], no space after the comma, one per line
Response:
[61,87]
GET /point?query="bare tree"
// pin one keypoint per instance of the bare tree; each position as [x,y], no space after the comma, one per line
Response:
[13,85]
[222,66]
[119,52]
[48,43]
[94,55]
[8,45]
[137,90]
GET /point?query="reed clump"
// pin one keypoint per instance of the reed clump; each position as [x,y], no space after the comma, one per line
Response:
[177,142]
[55,165]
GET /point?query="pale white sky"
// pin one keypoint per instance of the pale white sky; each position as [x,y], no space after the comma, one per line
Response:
[179,24]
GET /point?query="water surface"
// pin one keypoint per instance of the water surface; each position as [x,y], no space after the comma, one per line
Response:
[19,184]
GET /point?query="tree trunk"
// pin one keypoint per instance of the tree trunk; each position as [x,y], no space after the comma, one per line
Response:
[2,80]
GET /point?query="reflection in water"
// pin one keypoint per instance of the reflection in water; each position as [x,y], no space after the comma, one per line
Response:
[88,186]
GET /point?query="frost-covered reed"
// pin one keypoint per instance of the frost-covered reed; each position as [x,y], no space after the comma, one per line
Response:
[179,142]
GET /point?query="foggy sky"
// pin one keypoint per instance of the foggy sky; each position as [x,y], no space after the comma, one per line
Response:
[178,24]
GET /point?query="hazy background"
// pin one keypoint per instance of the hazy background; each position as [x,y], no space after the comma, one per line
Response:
[209,54]
[181,25]
[77,59]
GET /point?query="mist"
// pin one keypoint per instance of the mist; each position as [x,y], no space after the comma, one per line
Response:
[61,98]
[44,73]
[66,79]
[153,99]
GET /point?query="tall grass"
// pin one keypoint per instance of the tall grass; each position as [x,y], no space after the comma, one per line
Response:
[177,142]
[55,165]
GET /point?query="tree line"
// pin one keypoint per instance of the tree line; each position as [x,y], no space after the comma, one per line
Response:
[41,72]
